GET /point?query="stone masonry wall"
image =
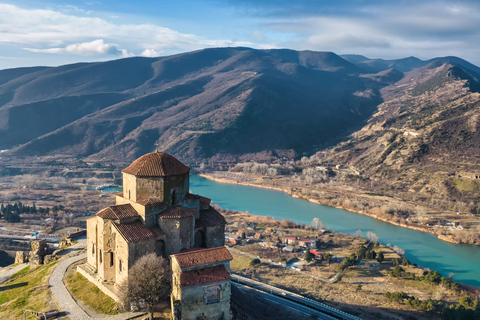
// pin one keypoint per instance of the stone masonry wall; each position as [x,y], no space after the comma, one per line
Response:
[129,187]
[92,248]
[215,236]
[194,302]
[179,234]
[178,186]
[149,187]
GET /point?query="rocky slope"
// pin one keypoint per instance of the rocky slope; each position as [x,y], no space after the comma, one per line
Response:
[425,136]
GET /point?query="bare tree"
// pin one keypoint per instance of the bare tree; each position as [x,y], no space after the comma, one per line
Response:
[148,281]
[317,224]
[372,236]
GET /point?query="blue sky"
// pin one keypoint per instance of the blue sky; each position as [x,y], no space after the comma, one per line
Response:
[66,31]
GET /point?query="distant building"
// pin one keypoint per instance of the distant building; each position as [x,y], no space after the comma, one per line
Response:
[290,240]
[306,243]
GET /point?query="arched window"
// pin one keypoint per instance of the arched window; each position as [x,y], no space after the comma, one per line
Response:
[100,255]
[93,249]
[173,197]
[120,265]
[128,194]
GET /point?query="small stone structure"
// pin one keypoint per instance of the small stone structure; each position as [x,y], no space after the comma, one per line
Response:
[39,250]
[21,257]
[64,242]
[201,285]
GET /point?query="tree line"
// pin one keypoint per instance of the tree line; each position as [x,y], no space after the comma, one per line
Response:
[11,212]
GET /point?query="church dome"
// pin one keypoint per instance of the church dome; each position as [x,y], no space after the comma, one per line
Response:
[156,164]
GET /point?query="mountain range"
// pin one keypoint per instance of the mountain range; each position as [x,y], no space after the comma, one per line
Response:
[224,103]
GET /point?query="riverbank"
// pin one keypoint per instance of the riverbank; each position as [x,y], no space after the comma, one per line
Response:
[293,194]
[261,257]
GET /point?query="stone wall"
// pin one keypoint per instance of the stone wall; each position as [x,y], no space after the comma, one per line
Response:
[176,188]
[149,187]
[103,287]
[108,250]
[194,301]
[139,249]
[129,187]
[92,242]
[179,234]
[121,263]
[215,236]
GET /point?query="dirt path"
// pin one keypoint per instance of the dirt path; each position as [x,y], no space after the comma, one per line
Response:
[7,272]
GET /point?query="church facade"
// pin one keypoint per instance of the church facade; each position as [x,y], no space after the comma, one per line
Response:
[156,213]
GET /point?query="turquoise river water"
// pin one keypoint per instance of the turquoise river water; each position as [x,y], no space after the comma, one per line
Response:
[421,248]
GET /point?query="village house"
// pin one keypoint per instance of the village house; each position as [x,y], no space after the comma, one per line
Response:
[306,243]
[289,240]
[318,255]
[155,213]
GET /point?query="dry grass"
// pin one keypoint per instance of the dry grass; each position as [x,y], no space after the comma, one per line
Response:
[85,291]
[27,290]
[239,262]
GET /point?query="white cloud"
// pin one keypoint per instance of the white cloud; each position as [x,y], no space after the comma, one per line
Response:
[150,53]
[49,31]
[95,47]
[425,29]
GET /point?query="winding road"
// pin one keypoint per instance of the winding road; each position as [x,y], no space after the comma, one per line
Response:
[63,298]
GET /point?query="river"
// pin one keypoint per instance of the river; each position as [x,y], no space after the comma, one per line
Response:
[421,248]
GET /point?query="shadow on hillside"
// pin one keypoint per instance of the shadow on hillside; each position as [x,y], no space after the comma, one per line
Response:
[13,286]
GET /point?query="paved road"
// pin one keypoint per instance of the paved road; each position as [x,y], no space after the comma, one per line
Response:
[7,272]
[63,298]
[49,239]
[323,308]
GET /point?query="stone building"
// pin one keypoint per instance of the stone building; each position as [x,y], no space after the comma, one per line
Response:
[201,284]
[154,213]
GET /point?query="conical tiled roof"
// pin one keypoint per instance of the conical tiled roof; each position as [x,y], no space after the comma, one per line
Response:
[156,164]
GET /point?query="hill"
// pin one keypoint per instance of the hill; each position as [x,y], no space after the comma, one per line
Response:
[224,102]
[424,138]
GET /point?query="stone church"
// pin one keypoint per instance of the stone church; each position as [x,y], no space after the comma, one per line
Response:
[156,213]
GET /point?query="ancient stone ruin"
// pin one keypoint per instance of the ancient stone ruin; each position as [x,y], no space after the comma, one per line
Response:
[39,250]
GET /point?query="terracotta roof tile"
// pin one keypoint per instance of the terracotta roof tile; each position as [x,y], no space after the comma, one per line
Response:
[156,164]
[177,213]
[136,231]
[204,275]
[149,201]
[118,212]
[201,256]
[210,218]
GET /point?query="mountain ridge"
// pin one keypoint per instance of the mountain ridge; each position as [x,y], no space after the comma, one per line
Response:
[219,102]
